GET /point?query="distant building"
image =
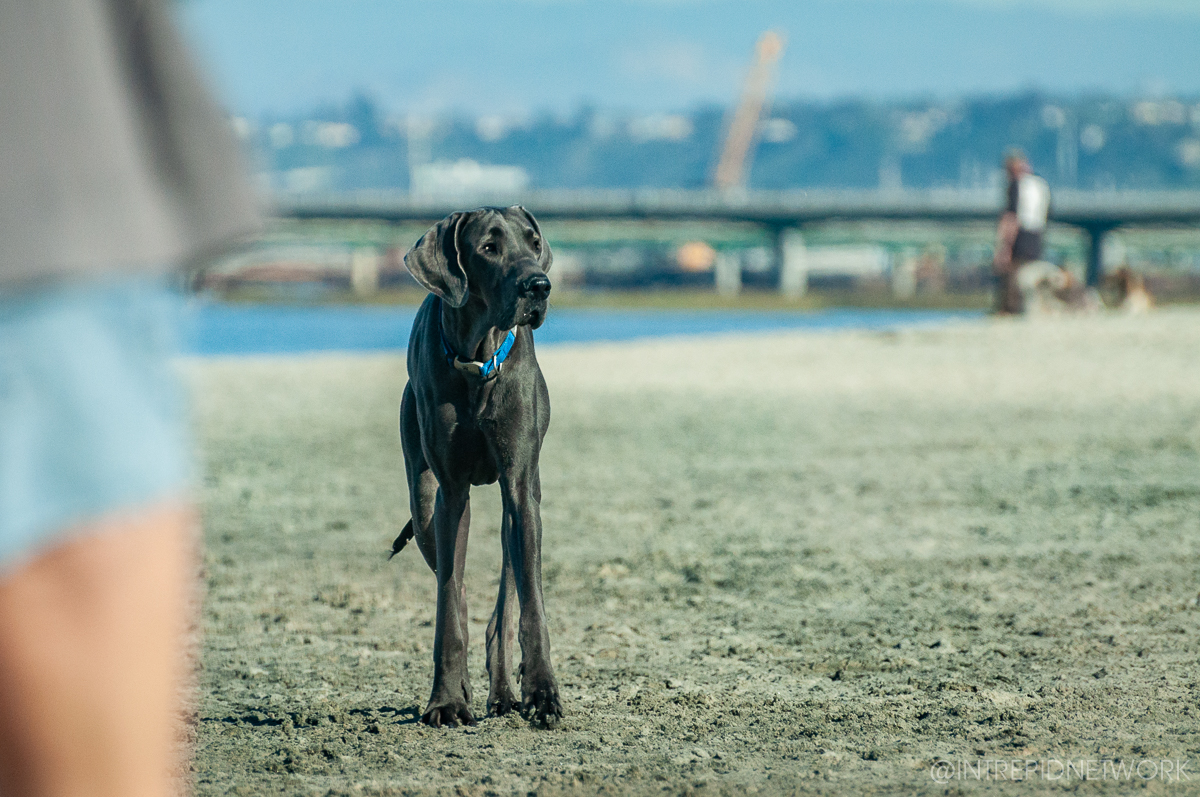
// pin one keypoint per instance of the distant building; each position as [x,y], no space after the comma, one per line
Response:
[467,179]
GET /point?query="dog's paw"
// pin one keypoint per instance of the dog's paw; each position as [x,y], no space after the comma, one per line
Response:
[448,715]
[501,702]
[541,704]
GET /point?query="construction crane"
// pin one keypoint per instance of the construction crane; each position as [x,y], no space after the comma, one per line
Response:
[734,164]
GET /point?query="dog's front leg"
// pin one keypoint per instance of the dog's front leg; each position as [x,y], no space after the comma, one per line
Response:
[450,702]
[500,636]
[523,526]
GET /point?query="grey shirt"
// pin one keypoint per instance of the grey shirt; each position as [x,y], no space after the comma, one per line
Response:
[112,155]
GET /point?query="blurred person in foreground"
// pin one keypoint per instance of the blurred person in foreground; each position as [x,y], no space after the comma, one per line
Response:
[116,166]
[1019,233]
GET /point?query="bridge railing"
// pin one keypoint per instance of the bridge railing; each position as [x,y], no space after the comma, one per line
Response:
[774,207]
[784,212]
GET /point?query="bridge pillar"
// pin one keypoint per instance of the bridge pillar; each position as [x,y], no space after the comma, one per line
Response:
[364,271]
[1095,254]
[904,274]
[727,273]
[793,262]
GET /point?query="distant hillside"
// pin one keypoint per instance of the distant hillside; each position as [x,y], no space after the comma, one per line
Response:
[1091,143]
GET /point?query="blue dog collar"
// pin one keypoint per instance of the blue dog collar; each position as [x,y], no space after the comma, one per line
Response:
[484,370]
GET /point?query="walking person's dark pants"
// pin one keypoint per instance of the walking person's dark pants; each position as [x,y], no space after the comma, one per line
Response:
[1008,299]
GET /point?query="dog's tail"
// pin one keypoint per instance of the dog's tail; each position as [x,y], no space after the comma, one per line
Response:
[402,540]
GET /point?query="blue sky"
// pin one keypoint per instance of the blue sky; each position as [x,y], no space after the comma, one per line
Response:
[515,57]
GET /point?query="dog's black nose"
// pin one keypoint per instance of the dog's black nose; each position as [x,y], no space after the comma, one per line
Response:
[536,287]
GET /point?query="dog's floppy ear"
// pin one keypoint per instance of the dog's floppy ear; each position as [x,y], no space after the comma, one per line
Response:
[438,263]
[547,257]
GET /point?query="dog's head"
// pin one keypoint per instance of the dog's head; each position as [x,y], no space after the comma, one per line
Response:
[493,256]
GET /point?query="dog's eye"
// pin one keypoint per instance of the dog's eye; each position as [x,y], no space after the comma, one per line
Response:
[537,244]
[490,248]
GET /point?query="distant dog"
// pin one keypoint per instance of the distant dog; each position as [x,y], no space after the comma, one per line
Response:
[475,410]
[1047,289]
[1132,296]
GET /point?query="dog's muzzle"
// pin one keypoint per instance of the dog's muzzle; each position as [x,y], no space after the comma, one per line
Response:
[534,288]
[533,293]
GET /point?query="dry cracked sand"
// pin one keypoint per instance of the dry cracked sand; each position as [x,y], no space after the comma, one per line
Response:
[791,563]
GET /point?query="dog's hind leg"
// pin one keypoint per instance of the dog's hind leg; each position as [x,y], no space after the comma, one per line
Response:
[422,485]
[423,489]
[500,636]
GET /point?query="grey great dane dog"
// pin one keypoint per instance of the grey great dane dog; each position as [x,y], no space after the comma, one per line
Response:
[475,410]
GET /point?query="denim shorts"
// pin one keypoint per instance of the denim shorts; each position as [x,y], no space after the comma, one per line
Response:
[92,415]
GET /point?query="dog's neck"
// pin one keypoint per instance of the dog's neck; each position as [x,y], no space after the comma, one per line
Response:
[468,331]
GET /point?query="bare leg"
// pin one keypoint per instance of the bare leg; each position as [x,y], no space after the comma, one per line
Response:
[91,659]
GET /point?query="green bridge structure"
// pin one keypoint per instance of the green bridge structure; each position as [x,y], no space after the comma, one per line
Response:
[784,214]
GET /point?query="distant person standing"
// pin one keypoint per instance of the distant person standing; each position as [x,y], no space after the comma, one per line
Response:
[1019,233]
[117,168]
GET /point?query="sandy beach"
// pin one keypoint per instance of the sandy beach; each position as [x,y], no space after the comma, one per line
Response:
[799,562]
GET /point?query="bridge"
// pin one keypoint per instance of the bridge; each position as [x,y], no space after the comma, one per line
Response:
[785,214]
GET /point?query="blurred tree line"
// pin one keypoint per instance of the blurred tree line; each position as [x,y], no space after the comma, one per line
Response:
[1090,142]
